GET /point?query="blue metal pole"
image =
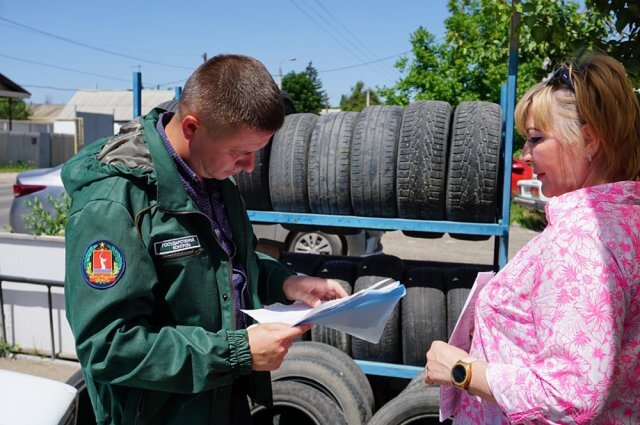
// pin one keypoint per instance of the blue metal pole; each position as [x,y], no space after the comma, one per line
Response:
[503,249]
[137,94]
[178,92]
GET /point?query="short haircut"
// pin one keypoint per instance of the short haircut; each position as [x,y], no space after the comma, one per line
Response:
[602,97]
[230,92]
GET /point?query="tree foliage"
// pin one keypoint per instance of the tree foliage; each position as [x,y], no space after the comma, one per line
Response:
[471,62]
[305,90]
[357,100]
[19,109]
[623,20]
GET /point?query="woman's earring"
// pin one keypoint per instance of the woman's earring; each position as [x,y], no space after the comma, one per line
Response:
[589,158]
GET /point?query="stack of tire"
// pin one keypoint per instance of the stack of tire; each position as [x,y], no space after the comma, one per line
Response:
[421,162]
[317,384]
[436,294]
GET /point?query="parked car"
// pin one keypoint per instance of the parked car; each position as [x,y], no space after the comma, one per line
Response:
[30,399]
[530,194]
[46,182]
[519,171]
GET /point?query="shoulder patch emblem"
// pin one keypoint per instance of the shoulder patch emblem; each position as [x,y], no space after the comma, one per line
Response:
[102,264]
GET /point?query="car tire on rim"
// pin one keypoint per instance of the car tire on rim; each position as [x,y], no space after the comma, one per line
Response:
[316,243]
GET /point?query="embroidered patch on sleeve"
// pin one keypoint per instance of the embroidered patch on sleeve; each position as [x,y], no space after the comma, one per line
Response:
[102,264]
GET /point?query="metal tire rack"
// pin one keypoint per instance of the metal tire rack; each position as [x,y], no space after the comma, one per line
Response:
[500,229]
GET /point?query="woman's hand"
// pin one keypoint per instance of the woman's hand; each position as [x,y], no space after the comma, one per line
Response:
[440,360]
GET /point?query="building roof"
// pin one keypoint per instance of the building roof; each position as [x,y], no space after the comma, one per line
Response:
[10,89]
[118,103]
[44,111]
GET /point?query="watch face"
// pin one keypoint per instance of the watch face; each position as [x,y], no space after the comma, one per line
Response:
[458,373]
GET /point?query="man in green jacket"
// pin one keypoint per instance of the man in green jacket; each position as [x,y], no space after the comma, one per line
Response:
[161,258]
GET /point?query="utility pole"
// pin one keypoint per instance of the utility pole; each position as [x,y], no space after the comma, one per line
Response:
[368,102]
[280,71]
[204,57]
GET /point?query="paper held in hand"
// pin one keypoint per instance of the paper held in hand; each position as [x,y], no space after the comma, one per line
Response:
[363,314]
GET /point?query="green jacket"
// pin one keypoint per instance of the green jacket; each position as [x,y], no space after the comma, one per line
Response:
[148,288]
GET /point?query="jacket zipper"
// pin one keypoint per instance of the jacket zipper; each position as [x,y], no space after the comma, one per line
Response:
[140,407]
[232,293]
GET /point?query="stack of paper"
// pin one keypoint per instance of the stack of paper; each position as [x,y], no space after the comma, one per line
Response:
[363,314]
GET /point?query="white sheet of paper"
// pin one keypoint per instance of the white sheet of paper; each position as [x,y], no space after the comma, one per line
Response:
[363,314]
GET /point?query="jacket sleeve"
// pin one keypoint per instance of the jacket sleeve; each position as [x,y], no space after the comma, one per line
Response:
[119,339]
[272,277]
[578,306]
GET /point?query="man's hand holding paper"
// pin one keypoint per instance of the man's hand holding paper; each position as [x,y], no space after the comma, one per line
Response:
[363,314]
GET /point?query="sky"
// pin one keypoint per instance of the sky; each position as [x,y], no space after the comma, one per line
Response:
[53,48]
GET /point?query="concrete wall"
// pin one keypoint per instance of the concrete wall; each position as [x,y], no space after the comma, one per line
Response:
[26,311]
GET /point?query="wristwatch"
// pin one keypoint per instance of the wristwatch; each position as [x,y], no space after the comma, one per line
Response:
[461,373]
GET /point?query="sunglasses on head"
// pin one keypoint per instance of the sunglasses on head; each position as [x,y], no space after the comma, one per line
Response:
[562,76]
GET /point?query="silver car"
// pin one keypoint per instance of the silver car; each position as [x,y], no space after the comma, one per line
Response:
[46,183]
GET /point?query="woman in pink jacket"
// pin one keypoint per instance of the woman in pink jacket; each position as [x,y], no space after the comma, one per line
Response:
[557,332]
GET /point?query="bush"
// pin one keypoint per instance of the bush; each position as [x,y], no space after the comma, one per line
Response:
[40,221]
[529,219]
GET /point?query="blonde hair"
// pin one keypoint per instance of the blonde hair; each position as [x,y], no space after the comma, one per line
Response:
[602,98]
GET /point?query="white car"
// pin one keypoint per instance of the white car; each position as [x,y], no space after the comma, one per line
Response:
[29,399]
[530,195]
[46,182]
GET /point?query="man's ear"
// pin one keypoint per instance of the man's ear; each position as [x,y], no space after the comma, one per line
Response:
[592,143]
[189,125]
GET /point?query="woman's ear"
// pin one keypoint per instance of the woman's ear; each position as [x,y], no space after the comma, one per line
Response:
[591,141]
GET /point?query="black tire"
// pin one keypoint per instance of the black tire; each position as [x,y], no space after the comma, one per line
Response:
[295,403]
[458,283]
[469,237]
[346,366]
[307,264]
[317,242]
[329,164]
[422,160]
[418,381]
[389,348]
[424,313]
[254,186]
[289,107]
[472,178]
[344,273]
[333,230]
[374,149]
[410,407]
[288,164]
[328,379]
[86,416]
[422,235]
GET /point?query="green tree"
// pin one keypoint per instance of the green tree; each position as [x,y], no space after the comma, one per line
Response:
[357,100]
[471,62]
[305,90]
[19,109]
[623,20]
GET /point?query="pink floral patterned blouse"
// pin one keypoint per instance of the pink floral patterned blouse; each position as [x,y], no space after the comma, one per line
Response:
[560,324]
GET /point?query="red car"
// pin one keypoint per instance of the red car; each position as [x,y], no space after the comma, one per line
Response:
[519,171]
